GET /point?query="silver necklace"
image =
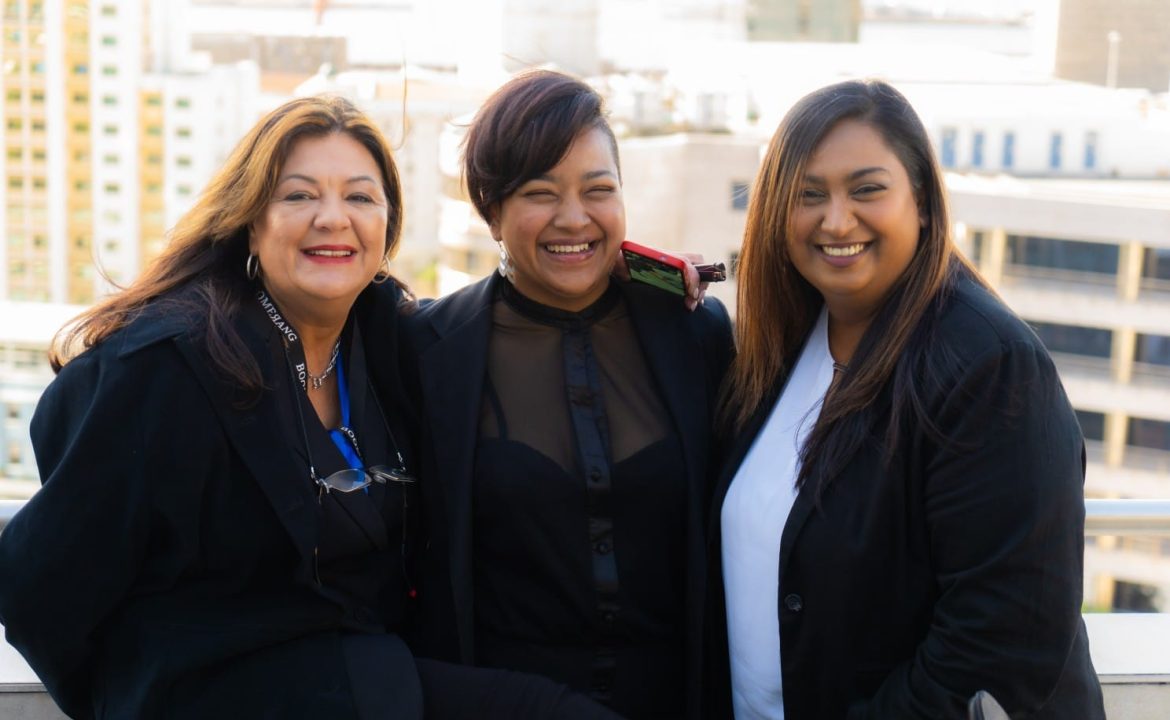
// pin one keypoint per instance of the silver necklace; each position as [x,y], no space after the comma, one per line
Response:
[319,380]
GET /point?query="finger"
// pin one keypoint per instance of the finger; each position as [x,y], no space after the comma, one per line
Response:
[620,269]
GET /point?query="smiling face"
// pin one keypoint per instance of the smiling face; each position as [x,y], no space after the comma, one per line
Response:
[323,234]
[562,229]
[856,225]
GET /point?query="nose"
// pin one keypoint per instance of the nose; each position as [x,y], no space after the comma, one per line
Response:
[839,219]
[571,214]
[332,213]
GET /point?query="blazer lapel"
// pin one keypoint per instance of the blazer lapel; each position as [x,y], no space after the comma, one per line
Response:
[258,435]
[452,372]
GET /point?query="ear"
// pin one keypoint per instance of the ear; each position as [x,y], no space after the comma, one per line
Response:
[494,224]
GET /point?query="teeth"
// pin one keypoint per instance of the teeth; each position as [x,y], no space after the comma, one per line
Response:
[331,253]
[565,249]
[842,251]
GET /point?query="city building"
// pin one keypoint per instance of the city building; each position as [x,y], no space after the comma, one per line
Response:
[1087,264]
[105,140]
[1117,43]
[25,334]
[804,20]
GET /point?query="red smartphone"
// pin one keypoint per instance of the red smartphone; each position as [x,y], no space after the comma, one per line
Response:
[663,270]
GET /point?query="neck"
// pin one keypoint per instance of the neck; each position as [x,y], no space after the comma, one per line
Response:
[846,328]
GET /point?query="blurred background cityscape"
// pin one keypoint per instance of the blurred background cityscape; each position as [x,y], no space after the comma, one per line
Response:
[1052,118]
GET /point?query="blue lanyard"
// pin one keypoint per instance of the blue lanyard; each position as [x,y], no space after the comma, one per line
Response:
[340,439]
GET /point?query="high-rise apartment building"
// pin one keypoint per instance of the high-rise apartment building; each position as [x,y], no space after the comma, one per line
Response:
[94,170]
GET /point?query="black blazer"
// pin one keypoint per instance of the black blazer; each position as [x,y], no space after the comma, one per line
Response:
[165,568]
[445,346]
[953,567]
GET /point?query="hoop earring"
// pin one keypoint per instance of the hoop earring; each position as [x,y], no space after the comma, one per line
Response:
[506,269]
[383,273]
[252,266]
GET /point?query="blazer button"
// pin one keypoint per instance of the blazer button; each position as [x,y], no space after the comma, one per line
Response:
[793,602]
[602,548]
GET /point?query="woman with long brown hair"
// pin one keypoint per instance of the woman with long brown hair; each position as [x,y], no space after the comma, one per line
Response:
[900,523]
[226,519]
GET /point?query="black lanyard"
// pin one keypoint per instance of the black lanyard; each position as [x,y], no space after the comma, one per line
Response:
[292,341]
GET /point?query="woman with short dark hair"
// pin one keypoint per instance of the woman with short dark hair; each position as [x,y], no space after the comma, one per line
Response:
[567,421]
[901,521]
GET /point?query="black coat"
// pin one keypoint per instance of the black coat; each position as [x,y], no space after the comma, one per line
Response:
[165,568]
[951,567]
[445,350]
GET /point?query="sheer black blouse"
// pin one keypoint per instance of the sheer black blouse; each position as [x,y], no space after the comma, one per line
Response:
[579,508]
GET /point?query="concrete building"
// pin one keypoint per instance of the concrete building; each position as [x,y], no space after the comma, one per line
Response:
[1087,264]
[25,334]
[804,20]
[102,153]
[1118,43]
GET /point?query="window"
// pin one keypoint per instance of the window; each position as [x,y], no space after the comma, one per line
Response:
[109,100]
[1157,264]
[183,190]
[183,132]
[1134,597]
[1055,143]
[739,195]
[110,159]
[1009,150]
[153,159]
[14,153]
[80,185]
[1090,150]
[182,102]
[1074,339]
[81,98]
[15,124]
[81,69]
[109,40]
[733,263]
[109,70]
[977,149]
[38,183]
[38,154]
[112,188]
[81,127]
[14,453]
[38,125]
[1151,434]
[1152,350]
[183,161]
[110,129]
[15,183]
[13,96]
[109,10]
[1067,255]
[154,100]
[949,139]
[153,130]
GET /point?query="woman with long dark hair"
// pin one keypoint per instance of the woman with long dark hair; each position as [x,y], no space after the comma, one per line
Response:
[901,520]
[227,514]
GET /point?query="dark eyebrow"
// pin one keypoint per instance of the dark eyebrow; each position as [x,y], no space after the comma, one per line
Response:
[852,176]
[591,175]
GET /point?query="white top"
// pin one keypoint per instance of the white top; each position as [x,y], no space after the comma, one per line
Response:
[753,516]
